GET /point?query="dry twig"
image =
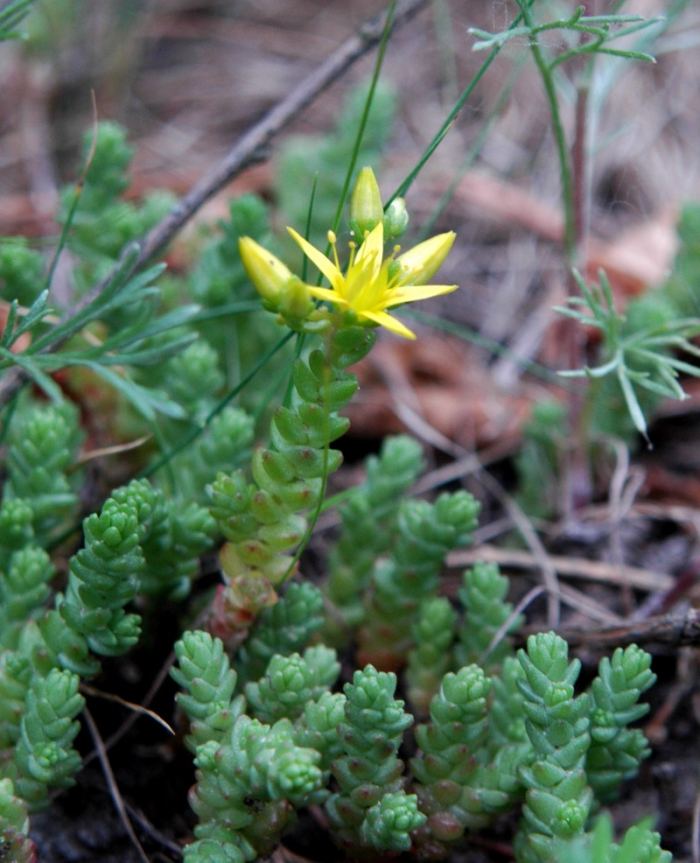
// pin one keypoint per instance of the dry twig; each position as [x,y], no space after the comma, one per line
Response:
[673,629]
[574,567]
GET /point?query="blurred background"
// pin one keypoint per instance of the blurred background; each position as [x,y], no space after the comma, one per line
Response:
[187,78]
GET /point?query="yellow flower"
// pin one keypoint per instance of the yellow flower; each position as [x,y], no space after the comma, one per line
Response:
[372,284]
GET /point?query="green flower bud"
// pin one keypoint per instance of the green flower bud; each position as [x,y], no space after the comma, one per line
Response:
[267,273]
[395,219]
[366,209]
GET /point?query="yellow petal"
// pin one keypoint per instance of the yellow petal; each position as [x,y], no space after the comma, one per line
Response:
[389,323]
[326,266]
[412,293]
[369,255]
[329,296]
[422,261]
[269,275]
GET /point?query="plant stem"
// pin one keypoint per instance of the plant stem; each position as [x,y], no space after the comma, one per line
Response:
[559,137]
[579,163]
[378,63]
[440,135]
[579,469]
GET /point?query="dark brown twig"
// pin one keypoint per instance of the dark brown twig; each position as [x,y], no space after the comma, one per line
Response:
[673,629]
[248,149]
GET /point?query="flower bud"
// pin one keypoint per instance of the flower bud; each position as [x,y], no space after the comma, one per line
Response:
[420,263]
[395,219]
[365,204]
[295,302]
[267,273]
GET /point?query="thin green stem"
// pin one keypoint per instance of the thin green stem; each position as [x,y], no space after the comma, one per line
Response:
[440,135]
[365,117]
[289,389]
[559,137]
[77,195]
[472,153]
[7,415]
[493,347]
[299,343]
[307,226]
[324,484]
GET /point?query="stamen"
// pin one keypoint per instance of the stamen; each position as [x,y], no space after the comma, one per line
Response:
[332,239]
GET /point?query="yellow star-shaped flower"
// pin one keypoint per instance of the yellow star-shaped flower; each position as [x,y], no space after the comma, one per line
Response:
[371,284]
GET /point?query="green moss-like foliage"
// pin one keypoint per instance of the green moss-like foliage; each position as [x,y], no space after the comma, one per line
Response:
[425,533]
[45,757]
[483,595]
[265,520]
[42,446]
[431,654]
[368,520]
[369,768]
[558,798]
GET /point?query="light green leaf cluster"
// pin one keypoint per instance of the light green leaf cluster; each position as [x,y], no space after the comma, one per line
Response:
[204,673]
[318,725]
[466,773]
[640,844]
[245,785]
[368,518]
[44,757]
[24,590]
[179,534]
[193,379]
[284,628]
[389,823]
[616,750]
[102,223]
[42,446]
[558,798]
[450,747]
[250,775]
[425,532]
[21,271]
[137,542]
[291,682]
[483,595]
[369,767]
[104,575]
[16,527]
[265,520]
[431,654]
